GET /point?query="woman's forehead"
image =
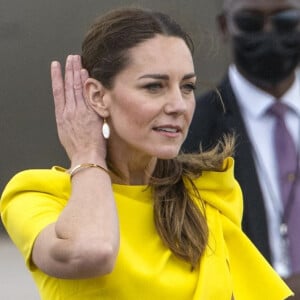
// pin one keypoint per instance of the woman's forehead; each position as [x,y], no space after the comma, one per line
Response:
[161,52]
[158,46]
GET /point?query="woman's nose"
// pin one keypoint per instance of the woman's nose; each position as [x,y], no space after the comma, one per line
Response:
[175,103]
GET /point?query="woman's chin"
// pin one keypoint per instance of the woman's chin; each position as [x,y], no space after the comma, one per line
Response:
[168,153]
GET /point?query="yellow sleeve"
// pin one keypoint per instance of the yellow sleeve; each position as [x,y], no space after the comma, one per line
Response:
[31,201]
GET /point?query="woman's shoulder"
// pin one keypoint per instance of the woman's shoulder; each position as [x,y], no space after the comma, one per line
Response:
[217,179]
[39,178]
[53,181]
[220,190]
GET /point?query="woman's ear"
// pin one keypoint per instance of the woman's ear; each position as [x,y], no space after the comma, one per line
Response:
[95,96]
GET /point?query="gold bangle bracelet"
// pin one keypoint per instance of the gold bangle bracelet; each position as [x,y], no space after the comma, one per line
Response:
[80,167]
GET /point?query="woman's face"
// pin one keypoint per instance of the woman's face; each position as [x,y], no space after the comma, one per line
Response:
[152,101]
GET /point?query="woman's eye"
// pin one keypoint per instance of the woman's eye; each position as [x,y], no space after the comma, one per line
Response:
[188,88]
[153,87]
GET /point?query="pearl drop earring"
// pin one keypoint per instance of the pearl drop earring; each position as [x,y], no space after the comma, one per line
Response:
[105,129]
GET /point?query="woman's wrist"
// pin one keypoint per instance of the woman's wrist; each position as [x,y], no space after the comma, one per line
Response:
[88,157]
[83,166]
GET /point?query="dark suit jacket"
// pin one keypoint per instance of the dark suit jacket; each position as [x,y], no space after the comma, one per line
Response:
[209,123]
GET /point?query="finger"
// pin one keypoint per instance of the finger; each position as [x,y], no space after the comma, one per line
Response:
[69,83]
[84,76]
[57,88]
[78,88]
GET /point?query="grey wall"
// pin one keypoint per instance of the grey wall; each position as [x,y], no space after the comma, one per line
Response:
[34,32]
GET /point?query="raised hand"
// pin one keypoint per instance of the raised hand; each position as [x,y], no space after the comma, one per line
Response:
[78,125]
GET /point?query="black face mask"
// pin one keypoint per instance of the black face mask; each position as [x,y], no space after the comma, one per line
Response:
[267,58]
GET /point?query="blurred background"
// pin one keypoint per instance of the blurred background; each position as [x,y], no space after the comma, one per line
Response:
[32,34]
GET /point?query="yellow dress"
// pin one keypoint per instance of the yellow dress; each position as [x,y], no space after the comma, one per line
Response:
[231,267]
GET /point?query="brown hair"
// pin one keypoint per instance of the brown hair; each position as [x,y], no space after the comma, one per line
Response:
[177,216]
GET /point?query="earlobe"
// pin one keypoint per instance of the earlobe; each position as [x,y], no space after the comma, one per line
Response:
[95,96]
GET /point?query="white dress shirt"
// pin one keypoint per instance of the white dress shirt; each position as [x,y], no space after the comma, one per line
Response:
[253,103]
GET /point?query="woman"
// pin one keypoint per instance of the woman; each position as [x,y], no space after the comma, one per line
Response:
[131,219]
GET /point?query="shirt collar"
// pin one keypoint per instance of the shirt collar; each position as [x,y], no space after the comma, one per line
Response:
[256,101]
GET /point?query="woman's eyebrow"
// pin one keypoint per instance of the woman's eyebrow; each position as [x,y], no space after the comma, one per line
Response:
[165,77]
[189,76]
[155,76]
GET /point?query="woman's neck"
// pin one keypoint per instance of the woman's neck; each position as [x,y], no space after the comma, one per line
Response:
[133,170]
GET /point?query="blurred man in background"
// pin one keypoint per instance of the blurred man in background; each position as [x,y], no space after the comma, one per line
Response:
[259,101]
